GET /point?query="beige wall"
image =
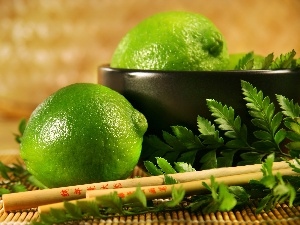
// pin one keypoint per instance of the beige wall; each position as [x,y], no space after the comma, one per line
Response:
[45,45]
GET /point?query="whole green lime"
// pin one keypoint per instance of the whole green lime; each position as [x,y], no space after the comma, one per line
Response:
[172,41]
[83,133]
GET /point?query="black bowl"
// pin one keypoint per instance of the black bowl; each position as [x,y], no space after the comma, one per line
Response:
[170,98]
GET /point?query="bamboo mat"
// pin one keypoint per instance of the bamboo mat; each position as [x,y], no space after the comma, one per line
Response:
[281,214]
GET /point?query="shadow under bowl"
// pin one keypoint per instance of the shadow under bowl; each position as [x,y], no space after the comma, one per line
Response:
[168,98]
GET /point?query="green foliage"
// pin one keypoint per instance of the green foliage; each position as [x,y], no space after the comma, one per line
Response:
[240,194]
[263,112]
[219,199]
[280,191]
[208,134]
[182,146]
[164,167]
[169,179]
[284,61]
[13,177]
[177,197]
[182,167]
[227,122]
[272,130]
[291,111]
[221,141]
[267,61]
[109,205]
[152,168]
[21,129]
[246,62]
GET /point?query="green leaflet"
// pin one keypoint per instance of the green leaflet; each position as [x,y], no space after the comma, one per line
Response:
[13,178]
[283,61]
[291,111]
[164,167]
[280,191]
[21,129]
[246,62]
[219,199]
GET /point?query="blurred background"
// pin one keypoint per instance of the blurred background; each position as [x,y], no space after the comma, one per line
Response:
[45,45]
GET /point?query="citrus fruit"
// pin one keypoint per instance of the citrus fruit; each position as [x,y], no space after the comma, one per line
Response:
[172,41]
[83,133]
[234,59]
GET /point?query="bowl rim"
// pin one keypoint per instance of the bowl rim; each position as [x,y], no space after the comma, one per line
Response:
[106,67]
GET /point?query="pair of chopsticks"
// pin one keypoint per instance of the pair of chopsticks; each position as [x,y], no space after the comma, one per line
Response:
[152,186]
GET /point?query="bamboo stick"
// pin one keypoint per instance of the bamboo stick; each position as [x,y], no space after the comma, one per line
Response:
[33,199]
[165,191]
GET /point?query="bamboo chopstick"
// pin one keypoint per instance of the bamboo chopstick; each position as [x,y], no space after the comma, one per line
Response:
[165,191]
[33,199]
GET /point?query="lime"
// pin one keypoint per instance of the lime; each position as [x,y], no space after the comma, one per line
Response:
[172,41]
[83,133]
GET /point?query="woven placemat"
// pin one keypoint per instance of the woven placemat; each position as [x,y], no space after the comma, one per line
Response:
[281,214]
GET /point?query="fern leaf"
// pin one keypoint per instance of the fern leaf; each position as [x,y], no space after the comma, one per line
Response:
[289,108]
[187,137]
[209,160]
[246,62]
[208,133]
[169,180]
[267,61]
[260,108]
[173,141]
[182,167]
[284,61]
[225,119]
[152,169]
[165,166]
